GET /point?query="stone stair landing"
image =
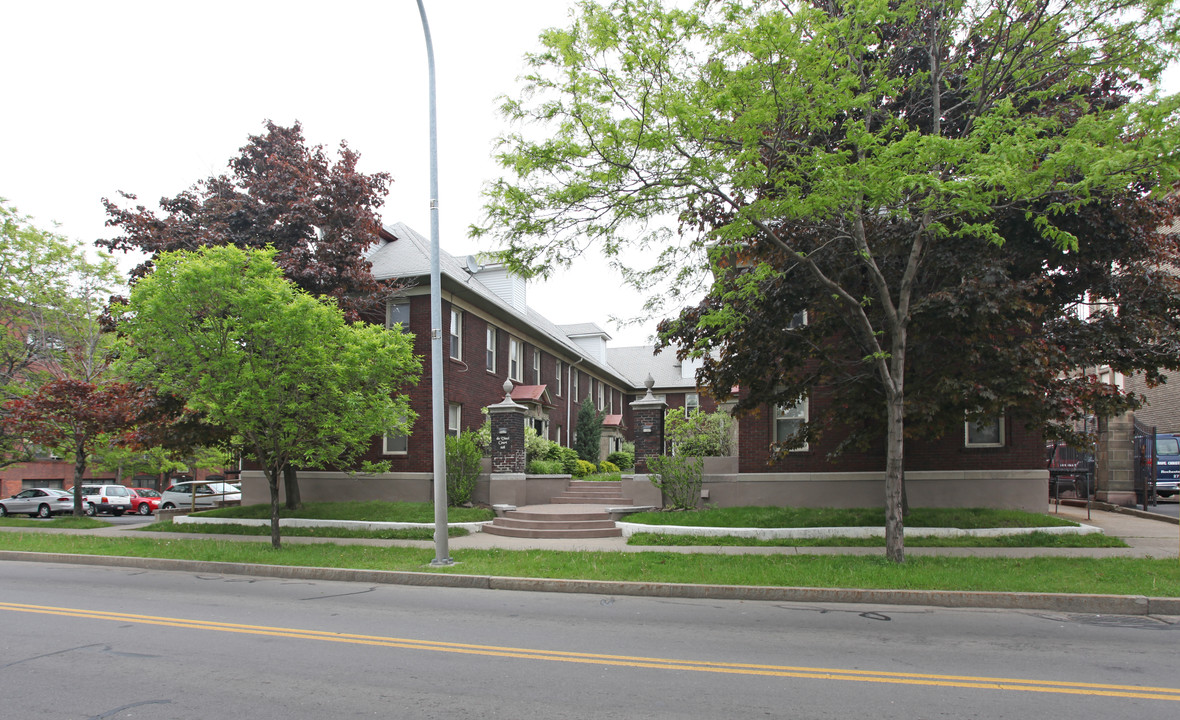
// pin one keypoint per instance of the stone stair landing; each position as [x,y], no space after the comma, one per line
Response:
[587,492]
[579,512]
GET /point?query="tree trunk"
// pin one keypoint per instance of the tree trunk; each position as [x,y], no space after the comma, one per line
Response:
[272,479]
[291,486]
[895,479]
[79,471]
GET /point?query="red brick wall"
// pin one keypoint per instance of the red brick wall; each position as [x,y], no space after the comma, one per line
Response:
[1024,449]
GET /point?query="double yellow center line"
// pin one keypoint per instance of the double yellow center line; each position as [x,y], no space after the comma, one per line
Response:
[785,671]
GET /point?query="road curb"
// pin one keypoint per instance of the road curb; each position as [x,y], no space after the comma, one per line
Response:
[1059,602]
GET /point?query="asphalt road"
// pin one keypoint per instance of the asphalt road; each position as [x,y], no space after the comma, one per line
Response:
[93,642]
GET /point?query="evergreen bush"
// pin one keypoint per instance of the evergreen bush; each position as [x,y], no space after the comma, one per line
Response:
[463,456]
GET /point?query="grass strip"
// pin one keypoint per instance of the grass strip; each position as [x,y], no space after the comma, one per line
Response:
[325,532]
[371,511]
[67,523]
[794,517]
[1118,576]
[1028,540]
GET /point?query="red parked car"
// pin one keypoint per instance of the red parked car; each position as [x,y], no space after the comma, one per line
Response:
[144,500]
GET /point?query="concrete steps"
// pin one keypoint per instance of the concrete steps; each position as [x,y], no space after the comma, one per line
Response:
[524,524]
[577,523]
[582,492]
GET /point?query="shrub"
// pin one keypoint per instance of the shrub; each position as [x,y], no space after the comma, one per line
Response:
[545,467]
[583,468]
[700,434]
[586,442]
[567,457]
[679,477]
[535,446]
[463,469]
[606,466]
[483,434]
[622,459]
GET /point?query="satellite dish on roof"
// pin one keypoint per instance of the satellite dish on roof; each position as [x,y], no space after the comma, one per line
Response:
[473,264]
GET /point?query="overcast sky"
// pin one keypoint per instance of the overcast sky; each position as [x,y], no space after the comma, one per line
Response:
[149,97]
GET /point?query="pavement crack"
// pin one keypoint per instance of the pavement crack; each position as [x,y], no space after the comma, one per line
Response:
[325,597]
[112,713]
[52,654]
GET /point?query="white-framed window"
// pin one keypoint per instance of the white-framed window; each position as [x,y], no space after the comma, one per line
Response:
[536,366]
[788,420]
[986,432]
[692,401]
[456,334]
[798,320]
[601,396]
[515,359]
[395,444]
[492,342]
[454,419]
[397,311]
[573,384]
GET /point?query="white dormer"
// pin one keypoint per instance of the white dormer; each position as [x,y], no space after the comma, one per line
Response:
[591,338]
[508,287]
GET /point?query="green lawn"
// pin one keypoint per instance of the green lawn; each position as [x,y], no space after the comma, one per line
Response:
[371,511]
[1119,576]
[68,522]
[791,517]
[326,532]
[1026,540]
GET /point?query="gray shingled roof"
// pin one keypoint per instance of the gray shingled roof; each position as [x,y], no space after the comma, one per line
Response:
[636,362]
[409,257]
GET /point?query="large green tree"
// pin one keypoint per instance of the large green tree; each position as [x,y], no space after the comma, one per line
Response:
[320,217]
[813,125]
[268,362]
[57,385]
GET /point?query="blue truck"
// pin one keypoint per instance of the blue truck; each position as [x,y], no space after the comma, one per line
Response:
[1167,465]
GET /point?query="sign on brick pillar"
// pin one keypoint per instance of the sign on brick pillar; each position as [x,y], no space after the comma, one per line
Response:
[648,414]
[507,423]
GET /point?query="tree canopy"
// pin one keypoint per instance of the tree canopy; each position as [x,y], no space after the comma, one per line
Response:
[266,361]
[854,141]
[318,215]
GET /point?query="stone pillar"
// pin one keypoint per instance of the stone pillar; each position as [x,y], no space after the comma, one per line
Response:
[1115,471]
[648,414]
[506,418]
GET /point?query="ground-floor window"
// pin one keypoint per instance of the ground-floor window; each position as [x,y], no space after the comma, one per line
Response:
[396,445]
[788,420]
[986,432]
[55,483]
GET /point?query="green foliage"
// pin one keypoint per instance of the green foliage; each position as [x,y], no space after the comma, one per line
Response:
[589,435]
[277,367]
[52,297]
[606,466]
[463,467]
[568,457]
[848,143]
[545,467]
[535,446]
[700,434]
[679,477]
[483,434]
[622,459]
[583,468]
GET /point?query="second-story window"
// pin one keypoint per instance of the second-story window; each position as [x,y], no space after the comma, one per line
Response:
[536,367]
[398,311]
[692,401]
[515,359]
[557,379]
[493,341]
[456,334]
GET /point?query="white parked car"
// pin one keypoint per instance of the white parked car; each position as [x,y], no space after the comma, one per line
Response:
[113,499]
[38,502]
[202,494]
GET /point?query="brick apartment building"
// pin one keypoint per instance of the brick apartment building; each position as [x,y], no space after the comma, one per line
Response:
[491,335]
